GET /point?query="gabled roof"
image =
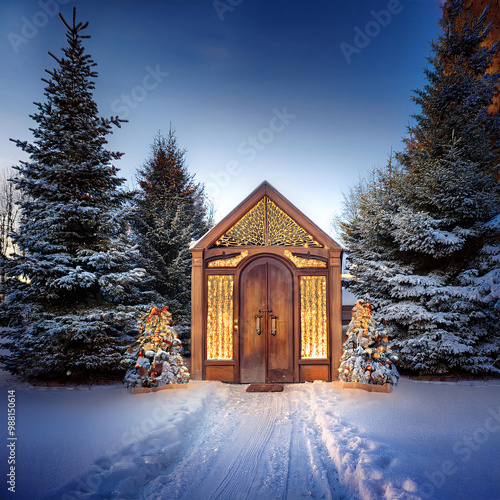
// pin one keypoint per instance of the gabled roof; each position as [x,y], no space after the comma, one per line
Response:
[255,210]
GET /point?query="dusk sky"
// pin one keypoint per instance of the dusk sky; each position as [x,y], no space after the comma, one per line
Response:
[309,95]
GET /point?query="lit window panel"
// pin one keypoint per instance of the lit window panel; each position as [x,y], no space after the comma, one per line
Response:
[313,324]
[220,317]
[229,262]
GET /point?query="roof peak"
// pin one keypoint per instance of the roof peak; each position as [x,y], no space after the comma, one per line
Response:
[224,233]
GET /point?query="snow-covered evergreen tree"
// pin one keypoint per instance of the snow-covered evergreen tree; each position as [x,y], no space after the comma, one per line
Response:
[461,88]
[155,359]
[422,238]
[72,286]
[367,356]
[170,212]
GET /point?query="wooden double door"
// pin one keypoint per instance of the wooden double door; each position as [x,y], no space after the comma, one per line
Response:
[266,322]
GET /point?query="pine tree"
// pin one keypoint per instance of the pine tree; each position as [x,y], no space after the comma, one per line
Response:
[71,287]
[459,91]
[170,212]
[475,8]
[423,235]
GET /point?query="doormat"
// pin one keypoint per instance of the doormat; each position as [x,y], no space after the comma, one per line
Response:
[264,388]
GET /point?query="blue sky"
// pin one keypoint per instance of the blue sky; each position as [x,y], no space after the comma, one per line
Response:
[309,95]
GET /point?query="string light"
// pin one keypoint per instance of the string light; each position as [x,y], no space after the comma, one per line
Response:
[304,262]
[220,317]
[230,262]
[313,325]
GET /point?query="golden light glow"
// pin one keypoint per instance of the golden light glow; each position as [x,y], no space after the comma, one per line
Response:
[249,230]
[230,262]
[313,324]
[265,224]
[220,317]
[304,262]
[284,231]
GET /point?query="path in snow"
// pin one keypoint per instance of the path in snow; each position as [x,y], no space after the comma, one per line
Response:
[213,440]
[252,446]
[238,446]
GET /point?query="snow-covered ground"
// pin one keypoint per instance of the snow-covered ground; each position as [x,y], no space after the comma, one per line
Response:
[213,440]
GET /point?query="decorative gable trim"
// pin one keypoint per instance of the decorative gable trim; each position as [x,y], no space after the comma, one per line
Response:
[266,218]
[265,225]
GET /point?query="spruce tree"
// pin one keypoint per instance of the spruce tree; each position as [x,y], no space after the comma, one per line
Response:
[460,89]
[71,287]
[423,235]
[170,211]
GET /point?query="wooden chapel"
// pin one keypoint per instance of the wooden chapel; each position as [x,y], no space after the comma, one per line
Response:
[266,296]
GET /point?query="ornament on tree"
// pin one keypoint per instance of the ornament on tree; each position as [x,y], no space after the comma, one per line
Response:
[367,357]
[156,359]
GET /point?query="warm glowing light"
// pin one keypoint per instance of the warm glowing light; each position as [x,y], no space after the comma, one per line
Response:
[283,230]
[230,262]
[249,230]
[265,224]
[220,317]
[304,262]
[313,324]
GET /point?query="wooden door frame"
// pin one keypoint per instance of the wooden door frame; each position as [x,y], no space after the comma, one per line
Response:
[239,308]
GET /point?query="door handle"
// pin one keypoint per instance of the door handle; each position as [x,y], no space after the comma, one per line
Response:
[273,324]
[258,317]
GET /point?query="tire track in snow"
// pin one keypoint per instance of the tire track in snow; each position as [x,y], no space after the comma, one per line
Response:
[234,452]
[312,471]
[364,466]
[242,469]
[221,443]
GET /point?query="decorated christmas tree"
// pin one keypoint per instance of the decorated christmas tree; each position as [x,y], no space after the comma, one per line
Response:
[155,360]
[367,357]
